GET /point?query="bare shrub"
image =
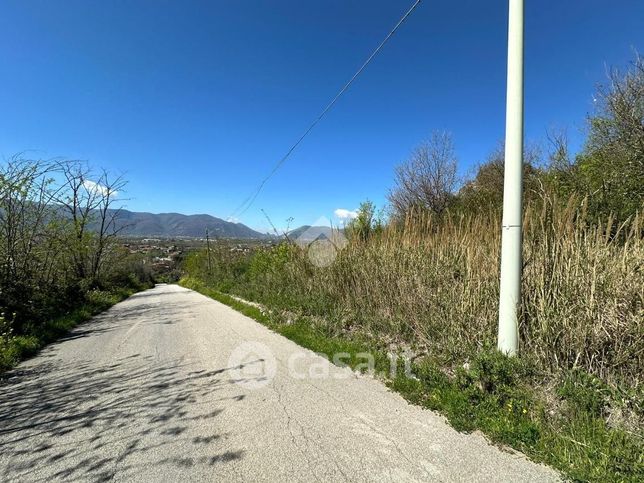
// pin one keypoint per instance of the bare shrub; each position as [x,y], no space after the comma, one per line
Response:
[427,179]
[57,233]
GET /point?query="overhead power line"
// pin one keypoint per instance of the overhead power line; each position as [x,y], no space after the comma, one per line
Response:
[248,202]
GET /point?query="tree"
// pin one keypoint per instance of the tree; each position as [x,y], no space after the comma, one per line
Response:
[427,180]
[485,191]
[364,223]
[27,234]
[611,167]
[107,217]
[87,200]
[57,234]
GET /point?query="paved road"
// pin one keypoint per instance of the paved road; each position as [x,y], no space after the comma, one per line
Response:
[148,392]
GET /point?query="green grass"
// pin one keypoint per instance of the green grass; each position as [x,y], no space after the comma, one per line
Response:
[17,348]
[495,395]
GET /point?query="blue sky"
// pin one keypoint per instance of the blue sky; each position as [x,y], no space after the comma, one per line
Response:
[194,101]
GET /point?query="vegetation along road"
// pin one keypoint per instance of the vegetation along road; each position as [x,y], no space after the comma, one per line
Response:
[163,387]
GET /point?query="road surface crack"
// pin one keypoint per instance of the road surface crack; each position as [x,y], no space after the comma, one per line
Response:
[289,424]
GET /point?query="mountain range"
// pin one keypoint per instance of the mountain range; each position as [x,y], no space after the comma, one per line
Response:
[133,223]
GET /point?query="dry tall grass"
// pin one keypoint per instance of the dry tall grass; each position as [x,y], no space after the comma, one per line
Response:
[436,283]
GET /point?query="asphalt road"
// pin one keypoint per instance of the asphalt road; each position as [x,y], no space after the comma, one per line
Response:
[148,391]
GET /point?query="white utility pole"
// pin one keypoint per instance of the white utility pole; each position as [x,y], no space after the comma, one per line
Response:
[510,289]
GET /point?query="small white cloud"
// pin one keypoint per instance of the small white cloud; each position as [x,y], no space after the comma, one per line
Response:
[232,219]
[346,214]
[93,187]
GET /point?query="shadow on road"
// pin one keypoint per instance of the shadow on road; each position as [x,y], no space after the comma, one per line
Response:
[90,421]
[118,317]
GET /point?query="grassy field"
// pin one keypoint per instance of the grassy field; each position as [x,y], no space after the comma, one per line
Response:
[574,396]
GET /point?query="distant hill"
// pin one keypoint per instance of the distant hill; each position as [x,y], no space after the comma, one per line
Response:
[135,223]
